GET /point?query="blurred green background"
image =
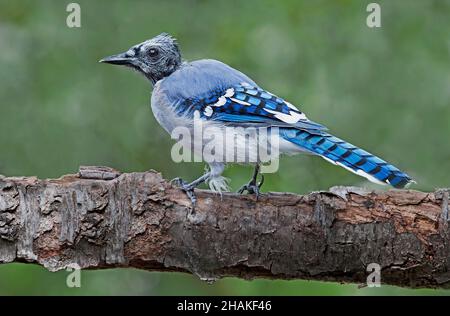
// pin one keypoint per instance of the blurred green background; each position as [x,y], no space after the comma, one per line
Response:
[386,89]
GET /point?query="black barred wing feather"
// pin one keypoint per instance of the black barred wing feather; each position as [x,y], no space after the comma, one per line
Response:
[245,104]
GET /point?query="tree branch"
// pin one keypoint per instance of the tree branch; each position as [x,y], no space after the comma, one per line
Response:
[100,218]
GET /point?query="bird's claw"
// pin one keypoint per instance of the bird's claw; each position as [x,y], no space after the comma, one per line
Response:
[178,182]
[187,188]
[252,187]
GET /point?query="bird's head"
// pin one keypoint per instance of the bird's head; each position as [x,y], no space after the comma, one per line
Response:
[156,58]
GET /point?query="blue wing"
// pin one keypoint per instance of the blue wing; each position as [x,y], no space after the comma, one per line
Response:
[248,104]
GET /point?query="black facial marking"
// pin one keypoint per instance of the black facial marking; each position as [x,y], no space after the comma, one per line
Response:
[137,50]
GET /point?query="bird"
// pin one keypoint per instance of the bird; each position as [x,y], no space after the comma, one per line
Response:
[212,94]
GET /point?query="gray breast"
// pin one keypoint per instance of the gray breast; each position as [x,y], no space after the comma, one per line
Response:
[164,111]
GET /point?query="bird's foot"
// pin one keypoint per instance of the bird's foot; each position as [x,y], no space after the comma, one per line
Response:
[188,188]
[252,187]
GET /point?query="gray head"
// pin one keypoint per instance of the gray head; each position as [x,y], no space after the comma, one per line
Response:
[156,58]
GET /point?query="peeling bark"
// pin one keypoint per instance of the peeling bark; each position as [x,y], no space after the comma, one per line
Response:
[100,218]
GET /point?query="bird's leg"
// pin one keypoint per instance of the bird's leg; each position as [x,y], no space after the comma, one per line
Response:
[252,187]
[188,188]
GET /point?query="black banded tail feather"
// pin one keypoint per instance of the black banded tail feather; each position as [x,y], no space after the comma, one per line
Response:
[348,156]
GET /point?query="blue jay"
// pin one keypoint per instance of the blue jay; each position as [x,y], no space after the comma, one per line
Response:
[222,97]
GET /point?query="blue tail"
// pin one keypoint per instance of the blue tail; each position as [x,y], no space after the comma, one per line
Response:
[346,155]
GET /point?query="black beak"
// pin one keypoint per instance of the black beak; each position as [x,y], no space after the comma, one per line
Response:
[119,59]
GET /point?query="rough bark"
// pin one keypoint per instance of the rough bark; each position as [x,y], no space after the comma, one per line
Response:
[100,218]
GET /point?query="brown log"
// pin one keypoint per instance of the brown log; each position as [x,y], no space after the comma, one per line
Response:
[100,218]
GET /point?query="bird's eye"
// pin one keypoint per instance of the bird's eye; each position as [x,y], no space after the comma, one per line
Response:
[153,52]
